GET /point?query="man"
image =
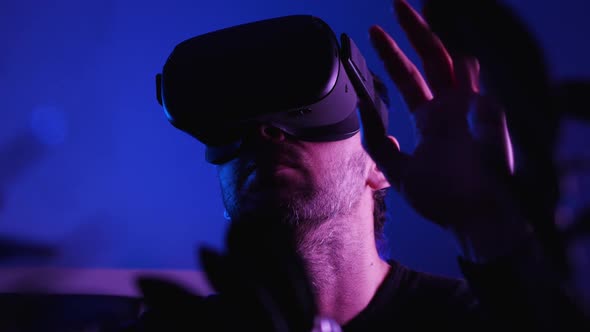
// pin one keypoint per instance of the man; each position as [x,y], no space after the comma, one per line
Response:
[325,194]
[327,189]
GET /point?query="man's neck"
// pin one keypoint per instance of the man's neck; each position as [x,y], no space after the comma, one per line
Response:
[344,267]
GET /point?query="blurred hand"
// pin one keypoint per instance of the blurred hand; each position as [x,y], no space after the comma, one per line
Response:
[261,279]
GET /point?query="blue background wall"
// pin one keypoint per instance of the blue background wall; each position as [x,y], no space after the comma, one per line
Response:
[90,164]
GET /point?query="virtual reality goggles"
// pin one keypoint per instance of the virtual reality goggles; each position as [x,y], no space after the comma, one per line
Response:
[288,72]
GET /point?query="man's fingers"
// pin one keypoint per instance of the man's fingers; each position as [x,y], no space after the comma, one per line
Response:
[159,292]
[401,70]
[438,64]
[466,73]
[217,269]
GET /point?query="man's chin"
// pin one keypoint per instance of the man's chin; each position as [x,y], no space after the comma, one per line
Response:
[269,214]
[276,204]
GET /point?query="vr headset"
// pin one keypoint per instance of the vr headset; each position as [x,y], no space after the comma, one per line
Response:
[288,72]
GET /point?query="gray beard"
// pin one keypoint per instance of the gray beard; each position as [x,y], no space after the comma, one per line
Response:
[311,205]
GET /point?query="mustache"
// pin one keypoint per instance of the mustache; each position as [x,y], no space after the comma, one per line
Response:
[263,157]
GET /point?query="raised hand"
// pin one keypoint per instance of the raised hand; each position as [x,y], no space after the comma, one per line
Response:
[463,151]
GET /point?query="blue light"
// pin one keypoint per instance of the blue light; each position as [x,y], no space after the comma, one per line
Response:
[49,124]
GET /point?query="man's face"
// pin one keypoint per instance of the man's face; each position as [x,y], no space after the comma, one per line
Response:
[299,182]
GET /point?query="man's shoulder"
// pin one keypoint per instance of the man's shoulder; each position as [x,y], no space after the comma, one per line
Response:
[411,299]
[424,288]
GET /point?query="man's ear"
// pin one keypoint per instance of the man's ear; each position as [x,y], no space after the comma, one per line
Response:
[376,179]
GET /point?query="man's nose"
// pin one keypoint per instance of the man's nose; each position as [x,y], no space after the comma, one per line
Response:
[270,132]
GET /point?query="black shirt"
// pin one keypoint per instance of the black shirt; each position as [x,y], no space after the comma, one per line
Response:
[410,299]
[406,300]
